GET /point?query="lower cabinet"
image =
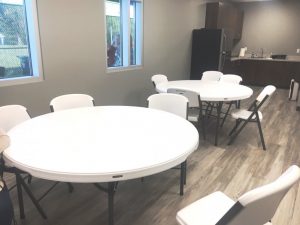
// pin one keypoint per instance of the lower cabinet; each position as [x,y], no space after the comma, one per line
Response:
[264,72]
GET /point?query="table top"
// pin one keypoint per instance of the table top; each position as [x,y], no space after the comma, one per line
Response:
[209,90]
[101,144]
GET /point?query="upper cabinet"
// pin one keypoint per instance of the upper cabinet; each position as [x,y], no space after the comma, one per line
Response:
[226,16]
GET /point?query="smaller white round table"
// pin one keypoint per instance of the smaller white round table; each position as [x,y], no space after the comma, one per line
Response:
[102,144]
[212,91]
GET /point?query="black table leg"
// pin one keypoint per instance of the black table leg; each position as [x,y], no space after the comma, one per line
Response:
[33,199]
[219,107]
[111,193]
[182,176]
[20,196]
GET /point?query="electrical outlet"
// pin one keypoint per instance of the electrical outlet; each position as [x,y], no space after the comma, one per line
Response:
[298,50]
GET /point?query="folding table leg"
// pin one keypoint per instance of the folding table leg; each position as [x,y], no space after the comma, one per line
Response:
[182,176]
[20,197]
[32,198]
[111,192]
[219,107]
[226,114]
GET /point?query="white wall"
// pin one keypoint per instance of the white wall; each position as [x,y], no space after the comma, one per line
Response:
[73,51]
[272,25]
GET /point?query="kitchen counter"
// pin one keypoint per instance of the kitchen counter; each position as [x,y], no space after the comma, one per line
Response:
[288,59]
[264,71]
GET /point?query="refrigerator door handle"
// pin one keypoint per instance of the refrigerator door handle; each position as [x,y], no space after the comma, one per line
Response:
[224,53]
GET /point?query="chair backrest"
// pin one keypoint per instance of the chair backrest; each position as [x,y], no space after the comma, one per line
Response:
[231,78]
[4,143]
[267,91]
[211,75]
[172,103]
[12,115]
[259,205]
[193,97]
[71,101]
[158,78]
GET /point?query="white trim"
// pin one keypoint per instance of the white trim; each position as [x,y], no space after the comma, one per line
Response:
[20,80]
[140,32]
[122,69]
[125,36]
[125,28]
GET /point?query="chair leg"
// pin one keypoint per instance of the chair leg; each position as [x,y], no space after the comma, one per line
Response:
[260,132]
[29,179]
[226,114]
[237,123]
[202,118]
[22,183]
[70,187]
[238,131]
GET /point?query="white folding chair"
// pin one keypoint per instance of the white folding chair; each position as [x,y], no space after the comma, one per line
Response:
[252,114]
[6,208]
[178,105]
[158,78]
[70,101]
[211,75]
[195,110]
[256,207]
[173,103]
[233,79]
[10,116]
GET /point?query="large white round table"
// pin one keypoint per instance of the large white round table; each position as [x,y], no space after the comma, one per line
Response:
[212,91]
[102,144]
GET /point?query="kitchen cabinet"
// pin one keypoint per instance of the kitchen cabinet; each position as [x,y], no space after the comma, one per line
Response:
[262,72]
[226,16]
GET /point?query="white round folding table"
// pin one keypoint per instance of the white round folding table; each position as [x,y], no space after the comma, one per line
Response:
[102,144]
[212,91]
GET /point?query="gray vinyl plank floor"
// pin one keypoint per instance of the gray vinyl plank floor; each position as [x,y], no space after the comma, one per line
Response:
[232,169]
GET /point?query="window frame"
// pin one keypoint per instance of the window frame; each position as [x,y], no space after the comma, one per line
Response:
[125,4]
[34,48]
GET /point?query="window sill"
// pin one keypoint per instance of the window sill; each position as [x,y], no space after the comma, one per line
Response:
[20,80]
[121,69]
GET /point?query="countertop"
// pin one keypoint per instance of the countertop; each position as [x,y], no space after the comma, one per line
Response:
[288,59]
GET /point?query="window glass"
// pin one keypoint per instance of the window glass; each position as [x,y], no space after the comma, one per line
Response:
[15,60]
[123,32]
[113,32]
[20,53]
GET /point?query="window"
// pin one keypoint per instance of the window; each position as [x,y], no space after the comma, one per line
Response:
[20,59]
[123,33]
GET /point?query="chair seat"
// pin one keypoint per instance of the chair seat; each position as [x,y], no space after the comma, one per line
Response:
[244,114]
[206,211]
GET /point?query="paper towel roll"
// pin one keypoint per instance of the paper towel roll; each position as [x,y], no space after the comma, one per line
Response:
[242,52]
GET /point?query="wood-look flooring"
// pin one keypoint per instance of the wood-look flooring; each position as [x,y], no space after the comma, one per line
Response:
[232,169]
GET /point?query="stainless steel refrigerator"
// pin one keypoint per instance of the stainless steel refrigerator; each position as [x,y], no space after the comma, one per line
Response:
[208,51]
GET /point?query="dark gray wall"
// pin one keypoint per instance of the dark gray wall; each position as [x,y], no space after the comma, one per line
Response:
[73,51]
[272,25]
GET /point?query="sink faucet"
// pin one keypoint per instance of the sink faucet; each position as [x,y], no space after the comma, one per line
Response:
[262,52]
